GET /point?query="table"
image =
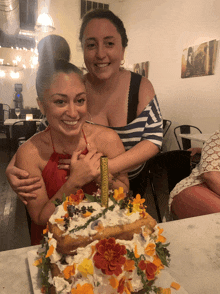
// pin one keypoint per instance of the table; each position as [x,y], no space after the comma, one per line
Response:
[194,248]
[11,121]
[196,137]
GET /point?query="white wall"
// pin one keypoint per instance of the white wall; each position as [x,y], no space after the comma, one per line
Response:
[158,31]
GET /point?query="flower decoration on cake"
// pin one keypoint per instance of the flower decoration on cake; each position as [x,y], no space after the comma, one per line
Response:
[108,265]
[109,256]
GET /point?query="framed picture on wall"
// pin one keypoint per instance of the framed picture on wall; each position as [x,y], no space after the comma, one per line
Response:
[199,60]
[142,68]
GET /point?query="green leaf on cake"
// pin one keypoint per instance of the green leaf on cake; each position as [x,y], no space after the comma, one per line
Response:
[91,198]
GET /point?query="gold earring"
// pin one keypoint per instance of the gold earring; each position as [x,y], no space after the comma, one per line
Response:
[122,62]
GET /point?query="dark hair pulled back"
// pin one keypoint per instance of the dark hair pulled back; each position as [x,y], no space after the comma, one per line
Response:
[47,70]
[106,14]
[53,47]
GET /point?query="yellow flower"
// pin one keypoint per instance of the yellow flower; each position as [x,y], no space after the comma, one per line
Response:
[86,267]
[69,271]
[37,262]
[135,208]
[119,194]
[84,289]
[150,249]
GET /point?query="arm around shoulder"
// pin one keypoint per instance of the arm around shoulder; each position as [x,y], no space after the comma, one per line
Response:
[111,146]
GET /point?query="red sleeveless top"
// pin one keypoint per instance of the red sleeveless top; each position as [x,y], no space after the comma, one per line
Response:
[54,178]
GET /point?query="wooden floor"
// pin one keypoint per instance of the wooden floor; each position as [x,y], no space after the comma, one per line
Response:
[13,222]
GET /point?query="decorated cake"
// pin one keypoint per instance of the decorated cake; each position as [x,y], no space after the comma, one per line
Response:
[88,248]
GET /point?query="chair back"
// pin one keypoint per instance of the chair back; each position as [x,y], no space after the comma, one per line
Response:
[184,143]
[166,125]
[4,111]
[22,131]
[166,169]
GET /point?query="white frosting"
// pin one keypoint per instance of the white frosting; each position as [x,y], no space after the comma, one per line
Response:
[112,218]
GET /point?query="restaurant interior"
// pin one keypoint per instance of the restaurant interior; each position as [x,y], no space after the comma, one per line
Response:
[158,31]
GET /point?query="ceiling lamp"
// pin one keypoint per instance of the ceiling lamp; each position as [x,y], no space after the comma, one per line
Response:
[44,22]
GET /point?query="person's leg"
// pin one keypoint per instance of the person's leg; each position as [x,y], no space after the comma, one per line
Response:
[195,201]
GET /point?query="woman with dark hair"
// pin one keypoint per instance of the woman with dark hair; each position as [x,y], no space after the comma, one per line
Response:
[117,98]
[62,98]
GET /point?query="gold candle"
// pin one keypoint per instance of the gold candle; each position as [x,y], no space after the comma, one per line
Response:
[104,180]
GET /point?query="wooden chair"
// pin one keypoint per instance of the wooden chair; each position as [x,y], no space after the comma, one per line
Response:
[167,168]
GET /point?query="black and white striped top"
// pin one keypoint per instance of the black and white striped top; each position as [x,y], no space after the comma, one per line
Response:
[147,126]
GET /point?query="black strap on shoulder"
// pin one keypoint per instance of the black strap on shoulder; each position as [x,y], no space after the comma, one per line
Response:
[133,96]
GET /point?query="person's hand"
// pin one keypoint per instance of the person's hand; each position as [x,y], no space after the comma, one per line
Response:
[22,185]
[85,168]
[194,151]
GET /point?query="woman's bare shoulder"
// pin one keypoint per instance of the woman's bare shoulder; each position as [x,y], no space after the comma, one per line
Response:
[34,145]
[101,132]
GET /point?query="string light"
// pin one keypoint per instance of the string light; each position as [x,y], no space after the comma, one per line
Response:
[2,74]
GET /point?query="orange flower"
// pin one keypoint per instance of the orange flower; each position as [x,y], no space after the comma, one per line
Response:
[150,249]
[46,230]
[50,251]
[77,198]
[84,289]
[113,282]
[124,286]
[109,256]
[160,238]
[144,214]
[60,221]
[87,214]
[129,265]
[69,271]
[158,263]
[175,285]
[138,200]
[66,203]
[119,194]
[149,268]
[135,252]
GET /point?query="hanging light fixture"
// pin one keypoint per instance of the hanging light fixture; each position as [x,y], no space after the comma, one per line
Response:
[44,22]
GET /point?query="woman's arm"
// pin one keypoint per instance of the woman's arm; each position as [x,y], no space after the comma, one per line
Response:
[109,143]
[152,136]
[82,171]
[132,158]
[21,183]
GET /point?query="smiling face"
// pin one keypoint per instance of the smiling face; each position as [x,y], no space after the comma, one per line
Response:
[64,104]
[102,46]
